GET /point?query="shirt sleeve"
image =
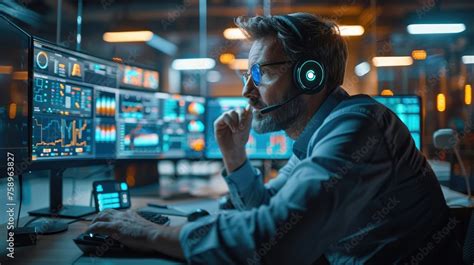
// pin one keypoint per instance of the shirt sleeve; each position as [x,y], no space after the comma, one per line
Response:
[246,187]
[313,209]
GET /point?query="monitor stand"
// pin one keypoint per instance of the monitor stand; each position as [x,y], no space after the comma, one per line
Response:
[56,208]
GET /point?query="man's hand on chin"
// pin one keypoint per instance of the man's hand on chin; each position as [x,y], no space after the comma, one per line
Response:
[138,233]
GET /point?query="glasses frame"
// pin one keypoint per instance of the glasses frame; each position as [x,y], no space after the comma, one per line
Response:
[247,75]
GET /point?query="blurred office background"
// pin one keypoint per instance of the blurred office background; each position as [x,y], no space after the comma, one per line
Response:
[389,52]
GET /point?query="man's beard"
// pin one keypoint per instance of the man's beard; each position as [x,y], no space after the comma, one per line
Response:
[279,119]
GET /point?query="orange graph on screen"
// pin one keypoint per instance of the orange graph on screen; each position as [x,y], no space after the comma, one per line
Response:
[197,144]
[105,106]
[70,132]
[136,108]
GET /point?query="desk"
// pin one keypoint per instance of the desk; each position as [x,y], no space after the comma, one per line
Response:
[61,250]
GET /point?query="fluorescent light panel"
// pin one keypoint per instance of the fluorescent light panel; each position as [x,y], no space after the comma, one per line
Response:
[234,34]
[468,59]
[351,30]
[128,36]
[392,61]
[193,64]
[436,28]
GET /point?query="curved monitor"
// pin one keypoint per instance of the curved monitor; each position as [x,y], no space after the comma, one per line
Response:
[81,112]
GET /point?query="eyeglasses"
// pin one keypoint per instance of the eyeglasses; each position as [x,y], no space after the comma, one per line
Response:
[256,73]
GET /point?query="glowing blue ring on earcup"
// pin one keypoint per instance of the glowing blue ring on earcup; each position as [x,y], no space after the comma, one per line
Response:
[309,76]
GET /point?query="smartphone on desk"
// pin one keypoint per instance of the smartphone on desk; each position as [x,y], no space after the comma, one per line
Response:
[111,194]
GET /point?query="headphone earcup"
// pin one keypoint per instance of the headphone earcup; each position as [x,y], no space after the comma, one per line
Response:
[309,76]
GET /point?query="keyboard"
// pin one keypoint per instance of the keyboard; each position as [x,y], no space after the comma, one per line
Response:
[154,217]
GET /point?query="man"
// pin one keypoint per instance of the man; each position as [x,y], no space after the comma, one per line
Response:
[356,190]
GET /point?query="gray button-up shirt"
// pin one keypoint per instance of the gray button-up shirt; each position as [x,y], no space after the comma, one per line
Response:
[356,190]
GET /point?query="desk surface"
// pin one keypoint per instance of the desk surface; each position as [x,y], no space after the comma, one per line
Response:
[60,248]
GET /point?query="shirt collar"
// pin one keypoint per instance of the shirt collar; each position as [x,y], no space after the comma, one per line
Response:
[333,99]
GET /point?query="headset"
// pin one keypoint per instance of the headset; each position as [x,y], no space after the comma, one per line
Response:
[309,74]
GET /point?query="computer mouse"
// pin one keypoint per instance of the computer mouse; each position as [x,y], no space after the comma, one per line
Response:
[96,243]
[198,213]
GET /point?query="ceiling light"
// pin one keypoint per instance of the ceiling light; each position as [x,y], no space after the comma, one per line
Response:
[351,30]
[392,61]
[435,28]
[193,64]
[128,36]
[226,58]
[386,92]
[468,59]
[418,54]
[234,34]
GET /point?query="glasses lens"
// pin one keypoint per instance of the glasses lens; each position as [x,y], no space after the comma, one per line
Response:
[256,76]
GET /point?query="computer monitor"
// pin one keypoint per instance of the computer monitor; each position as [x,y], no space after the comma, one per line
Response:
[184,126]
[14,128]
[160,125]
[408,110]
[274,145]
[81,114]
[65,116]
[138,126]
[136,77]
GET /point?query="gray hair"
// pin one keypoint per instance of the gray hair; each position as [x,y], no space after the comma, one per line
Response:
[321,40]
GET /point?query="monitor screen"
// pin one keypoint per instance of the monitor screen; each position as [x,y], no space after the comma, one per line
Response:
[151,79]
[274,145]
[79,112]
[105,125]
[72,114]
[14,67]
[136,77]
[183,125]
[160,125]
[408,110]
[138,125]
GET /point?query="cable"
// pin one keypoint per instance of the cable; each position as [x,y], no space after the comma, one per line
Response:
[20,181]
